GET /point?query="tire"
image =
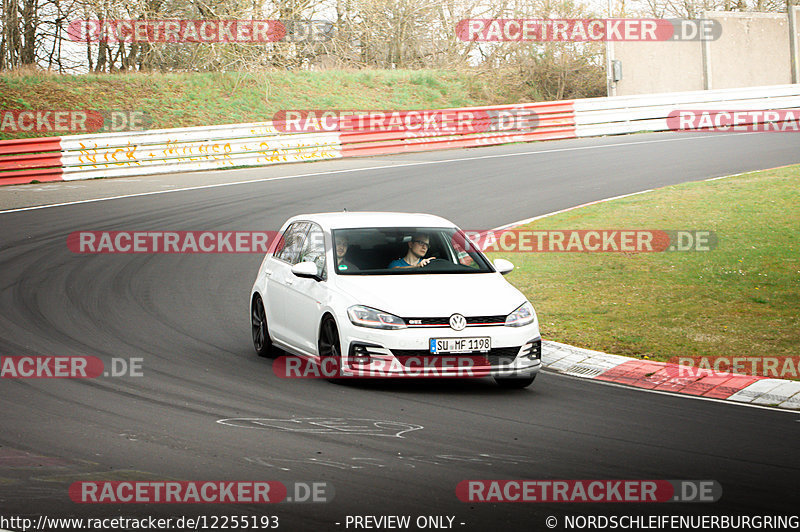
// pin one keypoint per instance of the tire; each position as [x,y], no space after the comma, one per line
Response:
[329,344]
[258,317]
[514,382]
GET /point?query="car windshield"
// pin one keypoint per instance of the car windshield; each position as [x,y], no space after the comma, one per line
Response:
[393,250]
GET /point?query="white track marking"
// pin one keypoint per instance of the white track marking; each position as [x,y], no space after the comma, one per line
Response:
[529,220]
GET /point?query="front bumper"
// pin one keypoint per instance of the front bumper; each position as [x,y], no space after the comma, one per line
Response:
[368,353]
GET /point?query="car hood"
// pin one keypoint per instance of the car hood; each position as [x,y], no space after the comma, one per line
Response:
[433,295]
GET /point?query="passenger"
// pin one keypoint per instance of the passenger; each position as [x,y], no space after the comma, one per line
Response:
[342,264]
[417,248]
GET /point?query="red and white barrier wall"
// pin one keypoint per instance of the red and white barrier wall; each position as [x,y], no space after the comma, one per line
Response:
[159,151]
[263,143]
[555,120]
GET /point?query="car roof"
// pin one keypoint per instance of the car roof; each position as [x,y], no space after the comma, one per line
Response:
[345,219]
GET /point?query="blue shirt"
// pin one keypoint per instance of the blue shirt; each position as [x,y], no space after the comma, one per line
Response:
[396,263]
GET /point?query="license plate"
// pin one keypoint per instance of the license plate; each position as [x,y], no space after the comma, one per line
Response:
[460,345]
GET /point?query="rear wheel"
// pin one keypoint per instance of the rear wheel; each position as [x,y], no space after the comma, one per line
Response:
[261,340]
[515,382]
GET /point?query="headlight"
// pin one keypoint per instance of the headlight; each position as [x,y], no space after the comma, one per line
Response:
[375,319]
[524,315]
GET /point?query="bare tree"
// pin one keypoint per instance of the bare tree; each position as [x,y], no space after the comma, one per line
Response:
[695,8]
[32,32]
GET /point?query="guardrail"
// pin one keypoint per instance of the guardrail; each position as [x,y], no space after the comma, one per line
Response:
[554,120]
[263,143]
[158,151]
[631,114]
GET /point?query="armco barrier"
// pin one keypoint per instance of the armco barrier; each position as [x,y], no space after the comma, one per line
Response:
[632,114]
[203,148]
[159,151]
[24,160]
[556,120]
[257,144]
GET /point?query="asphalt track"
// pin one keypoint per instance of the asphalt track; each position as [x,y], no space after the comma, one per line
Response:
[186,317]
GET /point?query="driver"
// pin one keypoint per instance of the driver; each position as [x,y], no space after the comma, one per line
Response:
[342,263]
[417,248]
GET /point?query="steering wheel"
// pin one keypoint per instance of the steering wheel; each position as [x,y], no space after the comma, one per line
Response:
[438,264]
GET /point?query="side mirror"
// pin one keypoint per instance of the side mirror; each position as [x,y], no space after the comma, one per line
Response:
[307,270]
[503,266]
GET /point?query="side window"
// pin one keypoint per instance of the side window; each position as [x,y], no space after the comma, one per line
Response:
[314,249]
[293,242]
[280,245]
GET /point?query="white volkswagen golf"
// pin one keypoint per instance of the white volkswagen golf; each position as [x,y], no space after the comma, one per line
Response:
[381,293]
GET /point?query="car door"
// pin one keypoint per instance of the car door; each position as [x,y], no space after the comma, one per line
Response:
[304,296]
[280,278]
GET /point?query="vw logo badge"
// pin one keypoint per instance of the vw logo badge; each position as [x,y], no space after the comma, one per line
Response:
[458,322]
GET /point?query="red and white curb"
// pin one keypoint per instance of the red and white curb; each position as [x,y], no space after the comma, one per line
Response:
[666,377]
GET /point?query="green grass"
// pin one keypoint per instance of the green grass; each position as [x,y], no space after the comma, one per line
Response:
[740,299]
[194,99]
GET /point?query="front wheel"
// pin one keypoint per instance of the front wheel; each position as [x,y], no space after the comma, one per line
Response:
[261,339]
[515,382]
[329,345]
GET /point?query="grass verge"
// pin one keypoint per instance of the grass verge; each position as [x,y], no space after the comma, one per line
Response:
[197,99]
[740,299]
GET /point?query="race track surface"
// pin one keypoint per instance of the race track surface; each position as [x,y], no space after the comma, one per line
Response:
[186,317]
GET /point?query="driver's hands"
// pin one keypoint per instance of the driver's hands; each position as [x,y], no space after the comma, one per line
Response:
[425,262]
